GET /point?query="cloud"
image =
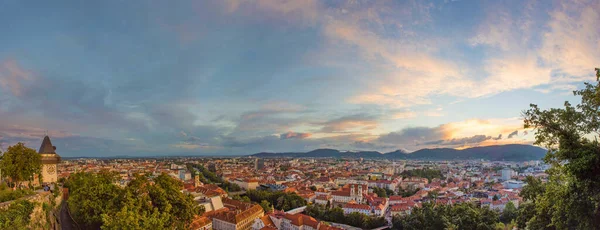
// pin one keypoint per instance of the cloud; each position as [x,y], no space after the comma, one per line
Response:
[454,134]
[439,112]
[521,61]
[498,138]
[515,133]
[351,123]
[293,135]
[557,87]
[459,141]
[414,135]
[404,115]
[399,61]
[511,73]
[573,34]
[271,117]
[13,77]
[303,12]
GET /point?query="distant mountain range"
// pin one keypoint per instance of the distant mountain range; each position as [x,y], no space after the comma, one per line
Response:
[513,152]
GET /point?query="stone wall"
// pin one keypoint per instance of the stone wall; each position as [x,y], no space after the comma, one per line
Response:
[38,197]
[40,218]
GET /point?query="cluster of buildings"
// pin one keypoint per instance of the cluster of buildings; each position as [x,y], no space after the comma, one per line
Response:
[351,184]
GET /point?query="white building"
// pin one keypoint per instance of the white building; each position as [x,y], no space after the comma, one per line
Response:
[360,208]
[510,184]
[506,174]
[350,192]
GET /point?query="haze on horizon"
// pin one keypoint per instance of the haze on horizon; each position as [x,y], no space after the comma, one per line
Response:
[230,77]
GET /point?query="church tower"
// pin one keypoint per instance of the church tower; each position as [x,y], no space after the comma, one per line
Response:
[49,161]
[197,179]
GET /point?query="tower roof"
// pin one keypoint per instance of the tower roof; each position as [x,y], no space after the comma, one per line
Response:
[47,147]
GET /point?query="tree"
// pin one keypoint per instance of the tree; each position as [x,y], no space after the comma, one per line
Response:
[92,195]
[571,197]
[20,163]
[433,195]
[459,216]
[509,213]
[337,215]
[525,212]
[389,192]
[423,173]
[266,205]
[380,192]
[97,202]
[533,189]
[407,192]
[166,195]
[281,200]
[133,216]
[313,188]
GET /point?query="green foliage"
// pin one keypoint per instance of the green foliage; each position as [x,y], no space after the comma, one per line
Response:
[407,192]
[266,205]
[19,163]
[533,189]
[433,194]
[337,215]
[166,196]
[496,197]
[380,192]
[17,215]
[509,214]
[500,226]
[313,188]
[525,212]
[92,195]
[423,173]
[459,216]
[571,197]
[209,177]
[95,201]
[281,200]
[56,192]
[9,194]
[135,214]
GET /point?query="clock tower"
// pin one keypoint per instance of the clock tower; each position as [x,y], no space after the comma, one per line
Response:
[49,161]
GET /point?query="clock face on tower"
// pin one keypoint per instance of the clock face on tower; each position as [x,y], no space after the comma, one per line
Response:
[51,169]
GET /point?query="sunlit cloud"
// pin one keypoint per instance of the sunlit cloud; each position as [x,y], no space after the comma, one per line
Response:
[455,134]
[404,115]
[290,135]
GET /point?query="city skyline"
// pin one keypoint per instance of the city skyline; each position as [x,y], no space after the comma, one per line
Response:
[238,77]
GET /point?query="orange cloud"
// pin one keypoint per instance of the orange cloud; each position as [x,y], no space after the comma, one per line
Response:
[294,135]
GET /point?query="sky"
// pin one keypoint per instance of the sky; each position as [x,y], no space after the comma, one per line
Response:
[232,77]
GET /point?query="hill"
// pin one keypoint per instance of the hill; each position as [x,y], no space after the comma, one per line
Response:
[513,152]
